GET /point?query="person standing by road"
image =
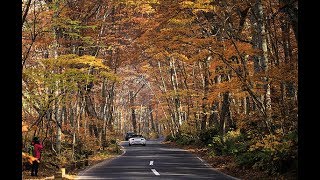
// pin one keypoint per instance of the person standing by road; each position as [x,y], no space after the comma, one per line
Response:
[37,147]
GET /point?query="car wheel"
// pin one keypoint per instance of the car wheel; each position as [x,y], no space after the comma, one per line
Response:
[143,144]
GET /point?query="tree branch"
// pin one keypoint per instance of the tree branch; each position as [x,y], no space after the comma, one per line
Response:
[25,12]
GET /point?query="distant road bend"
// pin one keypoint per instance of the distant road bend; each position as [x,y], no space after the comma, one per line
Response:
[153,161]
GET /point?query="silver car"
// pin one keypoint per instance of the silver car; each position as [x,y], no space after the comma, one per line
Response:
[137,139]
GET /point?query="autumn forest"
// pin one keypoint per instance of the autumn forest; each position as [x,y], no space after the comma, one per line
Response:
[219,75]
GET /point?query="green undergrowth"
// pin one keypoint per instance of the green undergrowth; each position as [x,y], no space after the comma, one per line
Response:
[275,154]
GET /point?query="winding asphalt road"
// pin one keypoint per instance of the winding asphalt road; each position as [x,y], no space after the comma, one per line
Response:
[153,161]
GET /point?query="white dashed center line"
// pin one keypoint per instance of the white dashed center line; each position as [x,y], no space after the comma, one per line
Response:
[155,172]
[151,163]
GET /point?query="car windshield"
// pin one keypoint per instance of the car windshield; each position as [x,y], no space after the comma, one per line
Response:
[137,135]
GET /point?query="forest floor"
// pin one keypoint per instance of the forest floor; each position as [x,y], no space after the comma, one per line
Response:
[46,171]
[227,165]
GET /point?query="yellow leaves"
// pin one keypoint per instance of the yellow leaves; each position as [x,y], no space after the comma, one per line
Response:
[34,128]
[207,2]
[180,21]
[198,5]
[91,61]
[233,134]
[187,4]
[164,30]
[141,6]
[159,56]
[180,57]
[25,127]
[177,56]
[151,50]
[145,9]
[178,93]
[110,76]
[200,56]
[128,2]
[146,68]
[273,143]
[139,2]
[67,72]
[29,158]
[74,61]
[139,20]
[241,94]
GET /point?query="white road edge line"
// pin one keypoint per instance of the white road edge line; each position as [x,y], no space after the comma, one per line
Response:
[151,163]
[155,172]
[209,166]
[200,159]
[204,162]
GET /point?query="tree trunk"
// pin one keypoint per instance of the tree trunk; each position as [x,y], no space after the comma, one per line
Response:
[151,119]
[189,101]
[140,123]
[110,108]
[174,83]
[173,127]
[133,113]
[156,121]
[262,62]
[205,87]
[290,7]
[58,124]
[214,116]
[225,113]
[285,43]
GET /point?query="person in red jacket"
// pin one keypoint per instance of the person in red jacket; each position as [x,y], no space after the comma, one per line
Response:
[37,147]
